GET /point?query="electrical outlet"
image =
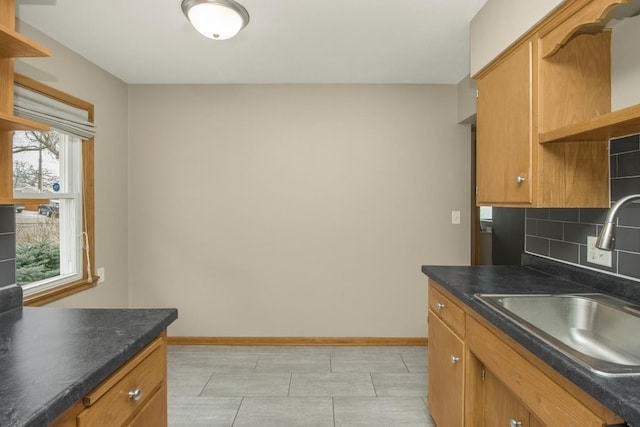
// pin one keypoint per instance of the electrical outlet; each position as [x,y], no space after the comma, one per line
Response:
[595,255]
[455,217]
[100,273]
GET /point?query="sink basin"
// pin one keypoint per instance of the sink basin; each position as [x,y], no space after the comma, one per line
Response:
[596,330]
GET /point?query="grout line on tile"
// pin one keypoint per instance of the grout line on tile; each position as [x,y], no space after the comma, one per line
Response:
[373,384]
[237,411]
[206,384]
[404,363]
[333,409]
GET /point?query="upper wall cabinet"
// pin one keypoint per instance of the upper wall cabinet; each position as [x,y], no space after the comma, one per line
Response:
[544,113]
[504,131]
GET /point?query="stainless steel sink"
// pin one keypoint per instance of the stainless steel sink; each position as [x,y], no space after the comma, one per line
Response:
[598,331]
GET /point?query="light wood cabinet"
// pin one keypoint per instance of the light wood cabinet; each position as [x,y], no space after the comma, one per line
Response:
[134,395]
[450,312]
[446,361]
[495,380]
[154,413]
[544,114]
[551,403]
[587,65]
[502,408]
[535,422]
[505,130]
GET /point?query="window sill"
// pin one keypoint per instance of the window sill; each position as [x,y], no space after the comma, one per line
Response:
[50,295]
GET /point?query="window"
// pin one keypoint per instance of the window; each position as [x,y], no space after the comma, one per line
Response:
[48,235]
[53,193]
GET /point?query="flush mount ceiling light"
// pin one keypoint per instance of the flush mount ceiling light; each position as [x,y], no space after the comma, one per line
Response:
[216,19]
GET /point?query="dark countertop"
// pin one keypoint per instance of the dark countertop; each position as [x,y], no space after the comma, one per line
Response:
[51,357]
[620,394]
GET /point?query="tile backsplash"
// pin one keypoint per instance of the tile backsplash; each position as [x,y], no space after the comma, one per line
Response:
[7,245]
[561,234]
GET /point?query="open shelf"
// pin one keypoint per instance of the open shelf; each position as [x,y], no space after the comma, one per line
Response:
[15,45]
[611,125]
[14,123]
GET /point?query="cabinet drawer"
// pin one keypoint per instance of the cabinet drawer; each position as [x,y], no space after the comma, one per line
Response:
[447,310]
[110,404]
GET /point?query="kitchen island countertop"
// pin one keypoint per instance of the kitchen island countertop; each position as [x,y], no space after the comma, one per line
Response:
[621,394]
[51,357]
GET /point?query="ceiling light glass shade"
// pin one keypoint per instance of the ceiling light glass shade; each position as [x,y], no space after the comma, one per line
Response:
[216,19]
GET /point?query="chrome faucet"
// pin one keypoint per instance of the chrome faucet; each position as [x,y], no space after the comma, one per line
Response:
[607,236]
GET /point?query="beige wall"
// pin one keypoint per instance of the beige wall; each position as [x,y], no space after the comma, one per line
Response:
[625,64]
[69,72]
[501,22]
[270,210]
[294,210]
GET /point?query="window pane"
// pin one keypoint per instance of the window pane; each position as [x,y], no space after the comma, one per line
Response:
[37,243]
[36,162]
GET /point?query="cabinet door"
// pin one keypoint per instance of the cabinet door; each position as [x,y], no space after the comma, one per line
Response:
[552,403]
[446,380]
[505,130]
[501,407]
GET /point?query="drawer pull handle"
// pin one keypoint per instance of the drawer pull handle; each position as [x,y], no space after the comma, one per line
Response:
[440,306]
[515,423]
[135,394]
[454,359]
[520,179]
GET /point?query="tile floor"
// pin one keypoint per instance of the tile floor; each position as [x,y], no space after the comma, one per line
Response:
[297,386]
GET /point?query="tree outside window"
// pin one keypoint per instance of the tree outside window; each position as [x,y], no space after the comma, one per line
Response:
[38,176]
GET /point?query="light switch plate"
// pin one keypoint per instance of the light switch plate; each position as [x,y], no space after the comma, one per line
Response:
[595,255]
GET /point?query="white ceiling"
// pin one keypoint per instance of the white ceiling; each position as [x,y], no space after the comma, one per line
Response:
[286,41]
